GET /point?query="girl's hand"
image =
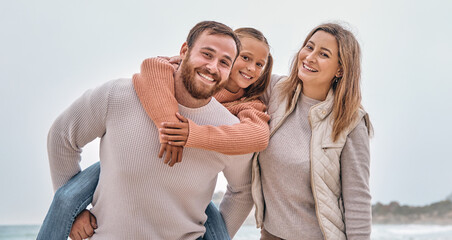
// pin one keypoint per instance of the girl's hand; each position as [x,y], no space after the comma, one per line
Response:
[175,61]
[173,154]
[176,134]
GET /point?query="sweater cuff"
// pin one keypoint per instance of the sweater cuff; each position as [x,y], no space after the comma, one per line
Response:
[196,137]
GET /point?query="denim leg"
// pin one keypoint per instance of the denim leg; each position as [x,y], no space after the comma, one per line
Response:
[215,226]
[69,200]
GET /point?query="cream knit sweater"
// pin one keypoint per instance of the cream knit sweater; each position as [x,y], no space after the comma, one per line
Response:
[138,196]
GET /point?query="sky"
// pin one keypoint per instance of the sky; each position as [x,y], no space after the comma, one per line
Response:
[52,51]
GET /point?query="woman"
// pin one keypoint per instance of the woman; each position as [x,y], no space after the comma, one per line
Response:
[249,78]
[312,182]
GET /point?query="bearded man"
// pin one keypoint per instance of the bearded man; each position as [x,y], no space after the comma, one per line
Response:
[138,196]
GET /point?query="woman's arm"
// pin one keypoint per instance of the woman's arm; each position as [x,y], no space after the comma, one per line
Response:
[355,164]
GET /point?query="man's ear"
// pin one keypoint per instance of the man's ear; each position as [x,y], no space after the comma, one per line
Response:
[183,50]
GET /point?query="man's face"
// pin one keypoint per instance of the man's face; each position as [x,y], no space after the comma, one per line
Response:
[206,65]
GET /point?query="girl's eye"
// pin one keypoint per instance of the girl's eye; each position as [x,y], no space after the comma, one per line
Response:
[309,47]
[245,58]
[259,65]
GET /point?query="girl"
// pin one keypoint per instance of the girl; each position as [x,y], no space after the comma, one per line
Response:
[248,80]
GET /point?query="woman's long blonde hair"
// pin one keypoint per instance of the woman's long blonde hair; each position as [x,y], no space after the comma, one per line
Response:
[347,92]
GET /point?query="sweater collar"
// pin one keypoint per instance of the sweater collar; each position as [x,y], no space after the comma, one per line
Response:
[225,96]
[321,110]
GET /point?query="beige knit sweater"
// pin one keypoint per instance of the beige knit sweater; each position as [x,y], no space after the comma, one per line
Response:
[138,196]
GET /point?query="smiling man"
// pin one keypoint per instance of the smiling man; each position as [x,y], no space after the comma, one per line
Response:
[138,196]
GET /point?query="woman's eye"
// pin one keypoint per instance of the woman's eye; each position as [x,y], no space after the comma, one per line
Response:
[324,55]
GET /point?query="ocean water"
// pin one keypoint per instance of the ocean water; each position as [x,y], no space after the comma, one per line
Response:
[379,232]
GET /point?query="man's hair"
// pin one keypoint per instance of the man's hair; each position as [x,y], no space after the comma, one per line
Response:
[213,28]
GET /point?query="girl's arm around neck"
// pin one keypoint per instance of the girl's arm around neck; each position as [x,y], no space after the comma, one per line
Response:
[250,135]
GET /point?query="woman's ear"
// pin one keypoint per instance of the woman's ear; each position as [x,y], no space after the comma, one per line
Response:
[339,72]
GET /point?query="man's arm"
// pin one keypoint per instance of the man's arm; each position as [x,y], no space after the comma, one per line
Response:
[237,201]
[78,125]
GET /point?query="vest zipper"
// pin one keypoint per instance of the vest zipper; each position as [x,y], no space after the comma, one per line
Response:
[314,192]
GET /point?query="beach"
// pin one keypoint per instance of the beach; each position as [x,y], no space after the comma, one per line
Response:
[249,232]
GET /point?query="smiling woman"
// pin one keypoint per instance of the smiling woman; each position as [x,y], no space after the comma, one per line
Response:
[313,179]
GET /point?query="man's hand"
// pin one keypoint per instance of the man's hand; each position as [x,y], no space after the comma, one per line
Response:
[83,226]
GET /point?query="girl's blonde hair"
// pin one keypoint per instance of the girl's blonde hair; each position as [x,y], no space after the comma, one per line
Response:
[347,92]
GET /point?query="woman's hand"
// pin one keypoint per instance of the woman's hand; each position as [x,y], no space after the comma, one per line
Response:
[175,134]
[83,226]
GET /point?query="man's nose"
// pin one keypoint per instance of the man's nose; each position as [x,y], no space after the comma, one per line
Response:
[212,66]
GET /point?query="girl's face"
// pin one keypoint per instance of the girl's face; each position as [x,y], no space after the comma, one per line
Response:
[318,62]
[249,64]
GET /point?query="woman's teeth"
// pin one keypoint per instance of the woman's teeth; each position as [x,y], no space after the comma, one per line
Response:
[308,68]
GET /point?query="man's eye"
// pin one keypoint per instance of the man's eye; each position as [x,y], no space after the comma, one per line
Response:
[225,63]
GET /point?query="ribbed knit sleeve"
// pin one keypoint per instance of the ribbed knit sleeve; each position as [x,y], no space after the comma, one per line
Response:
[154,86]
[80,124]
[355,164]
[250,135]
[237,201]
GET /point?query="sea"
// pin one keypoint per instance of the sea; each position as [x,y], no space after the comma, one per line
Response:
[246,232]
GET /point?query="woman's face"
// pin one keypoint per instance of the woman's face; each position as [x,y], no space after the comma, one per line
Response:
[249,64]
[318,62]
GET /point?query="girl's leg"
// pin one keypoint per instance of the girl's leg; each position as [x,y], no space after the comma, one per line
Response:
[215,226]
[68,202]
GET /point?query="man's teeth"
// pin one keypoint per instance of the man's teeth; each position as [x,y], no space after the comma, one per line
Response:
[310,69]
[245,76]
[206,77]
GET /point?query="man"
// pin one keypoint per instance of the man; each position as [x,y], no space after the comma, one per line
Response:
[138,196]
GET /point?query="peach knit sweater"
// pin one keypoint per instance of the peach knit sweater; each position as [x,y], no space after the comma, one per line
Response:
[154,86]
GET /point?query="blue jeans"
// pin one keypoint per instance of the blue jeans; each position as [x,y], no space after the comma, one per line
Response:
[73,197]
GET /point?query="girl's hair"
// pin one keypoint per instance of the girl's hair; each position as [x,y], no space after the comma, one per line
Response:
[347,92]
[257,88]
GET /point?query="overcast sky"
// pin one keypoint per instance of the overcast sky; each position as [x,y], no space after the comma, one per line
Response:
[52,51]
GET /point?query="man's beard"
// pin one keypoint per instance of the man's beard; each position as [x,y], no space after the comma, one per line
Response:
[197,90]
